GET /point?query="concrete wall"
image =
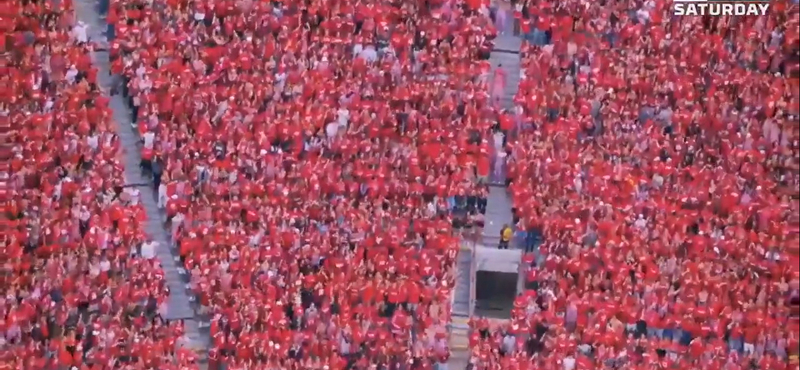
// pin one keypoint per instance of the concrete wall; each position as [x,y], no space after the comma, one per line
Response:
[497,260]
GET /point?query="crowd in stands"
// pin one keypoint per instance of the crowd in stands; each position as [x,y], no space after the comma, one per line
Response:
[309,157]
[656,159]
[75,292]
[315,160]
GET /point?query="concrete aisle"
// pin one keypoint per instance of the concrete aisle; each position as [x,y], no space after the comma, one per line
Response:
[459,344]
[180,303]
[505,53]
[461,294]
[498,212]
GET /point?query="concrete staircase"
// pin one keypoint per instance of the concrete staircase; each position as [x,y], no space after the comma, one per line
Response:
[461,307]
[462,299]
[459,343]
[498,213]
[506,52]
[180,305]
[511,65]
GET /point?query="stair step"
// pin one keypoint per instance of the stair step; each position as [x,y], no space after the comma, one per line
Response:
[498,210]
[461,295]
[511,65]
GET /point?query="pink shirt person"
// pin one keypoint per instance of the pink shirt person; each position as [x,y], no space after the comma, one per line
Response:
[498,83]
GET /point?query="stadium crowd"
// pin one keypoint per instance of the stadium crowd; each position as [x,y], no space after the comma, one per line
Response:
[308,155]
[657,158]
[75,292]
[317,159]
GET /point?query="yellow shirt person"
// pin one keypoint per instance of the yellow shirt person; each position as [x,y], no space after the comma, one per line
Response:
[506,233]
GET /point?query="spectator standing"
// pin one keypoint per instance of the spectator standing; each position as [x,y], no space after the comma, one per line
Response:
[506,233]
[498,84]
[157,172]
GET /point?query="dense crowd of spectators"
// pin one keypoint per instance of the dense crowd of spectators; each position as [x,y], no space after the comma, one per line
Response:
[76,293]
[315,161]
[657,160]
